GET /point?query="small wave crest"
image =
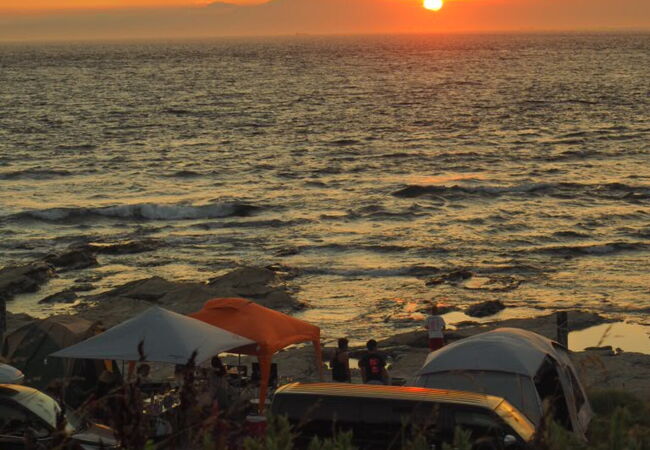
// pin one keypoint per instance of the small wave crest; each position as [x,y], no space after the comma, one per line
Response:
[142,211]
[419,190]
[592,249]
[34,174]
[613,191]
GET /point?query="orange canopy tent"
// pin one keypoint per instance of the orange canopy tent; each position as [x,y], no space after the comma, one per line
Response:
[271,330]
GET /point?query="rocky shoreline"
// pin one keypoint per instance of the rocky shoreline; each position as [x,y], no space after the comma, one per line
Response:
[600,368]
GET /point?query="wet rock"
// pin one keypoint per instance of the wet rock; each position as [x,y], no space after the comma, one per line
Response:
[452,277]
[121,248]
[442,309]
[413,191]
[485,309]
[22,279]
[84,287]
[493,284]
[67,296]
[73,260]
[287,251]
[284,272]
[423,271]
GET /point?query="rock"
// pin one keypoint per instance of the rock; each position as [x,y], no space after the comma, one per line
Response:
[601,370]
[287,251]
[22,279]
[83,287]
[417,339]
[485,309]
[67,296]
[121,248]
[606,350]
[15,321]
[264,286]
[413,191]
[73,260]
[452,277]
[493,284]
[544,325]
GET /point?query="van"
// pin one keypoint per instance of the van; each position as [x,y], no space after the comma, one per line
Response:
[386,417]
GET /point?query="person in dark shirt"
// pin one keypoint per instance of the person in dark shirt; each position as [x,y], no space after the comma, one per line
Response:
[373,365]
[340,363]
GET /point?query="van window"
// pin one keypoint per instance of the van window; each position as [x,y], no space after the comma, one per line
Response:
[310,408]
[398,411]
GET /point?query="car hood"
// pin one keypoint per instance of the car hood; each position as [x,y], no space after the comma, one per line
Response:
[96,436]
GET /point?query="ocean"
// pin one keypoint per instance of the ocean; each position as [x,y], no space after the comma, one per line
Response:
[368,164]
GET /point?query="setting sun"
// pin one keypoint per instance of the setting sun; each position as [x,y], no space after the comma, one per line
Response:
[433,5]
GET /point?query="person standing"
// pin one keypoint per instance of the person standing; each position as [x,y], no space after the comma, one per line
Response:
[340,363]
[373,365]
[436,326]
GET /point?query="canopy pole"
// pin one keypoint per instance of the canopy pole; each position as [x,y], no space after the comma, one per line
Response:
[318,354]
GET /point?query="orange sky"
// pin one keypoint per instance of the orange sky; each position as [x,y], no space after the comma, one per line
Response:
[53,5]
[125,19]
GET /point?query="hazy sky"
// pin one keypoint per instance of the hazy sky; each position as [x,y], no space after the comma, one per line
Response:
[92,19]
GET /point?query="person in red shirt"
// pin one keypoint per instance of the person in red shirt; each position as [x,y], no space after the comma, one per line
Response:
[373,365]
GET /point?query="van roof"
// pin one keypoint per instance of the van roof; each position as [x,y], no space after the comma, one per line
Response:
[392,392]
[502,407]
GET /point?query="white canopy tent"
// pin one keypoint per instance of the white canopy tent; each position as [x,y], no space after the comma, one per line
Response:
[518,365]
[165,337]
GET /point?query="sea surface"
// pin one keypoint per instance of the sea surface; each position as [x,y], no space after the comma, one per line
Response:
[368,164]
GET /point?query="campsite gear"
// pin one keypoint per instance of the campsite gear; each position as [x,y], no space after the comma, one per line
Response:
[270,330]
[161,336]
[381,416]
[518,365]
[255,426]
[28,347]
[11,375]
[24,408]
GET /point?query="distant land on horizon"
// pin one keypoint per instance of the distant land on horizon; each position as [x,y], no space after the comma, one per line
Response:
[291,17]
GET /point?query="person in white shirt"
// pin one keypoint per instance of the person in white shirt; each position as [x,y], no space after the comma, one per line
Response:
[436,326]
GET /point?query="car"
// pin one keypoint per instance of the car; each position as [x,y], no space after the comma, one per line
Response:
[382,417]
[25,411]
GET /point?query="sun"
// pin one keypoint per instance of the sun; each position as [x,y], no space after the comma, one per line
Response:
[433,5]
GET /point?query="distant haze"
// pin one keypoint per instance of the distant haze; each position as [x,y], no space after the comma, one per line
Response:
[39,20]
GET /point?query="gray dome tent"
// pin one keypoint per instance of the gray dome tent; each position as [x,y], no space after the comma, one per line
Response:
[518,365]
[28,348]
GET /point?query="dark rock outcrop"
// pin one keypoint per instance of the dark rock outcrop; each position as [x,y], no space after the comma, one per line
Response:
[67,296]
[485,309]
[121,248]
[452,277]
[22,279]
[73,260]
[267,287]
[261,285]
